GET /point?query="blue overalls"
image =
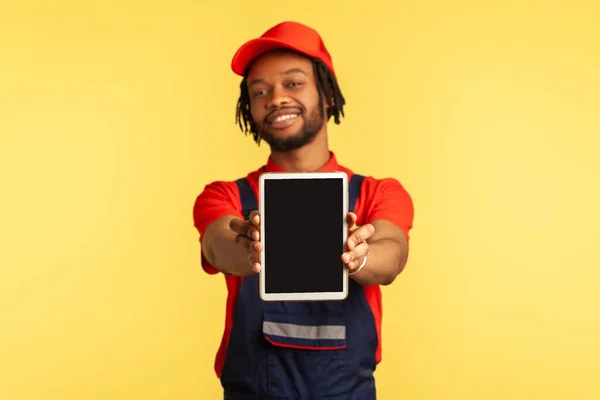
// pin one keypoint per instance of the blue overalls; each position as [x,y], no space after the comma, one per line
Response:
[300,350]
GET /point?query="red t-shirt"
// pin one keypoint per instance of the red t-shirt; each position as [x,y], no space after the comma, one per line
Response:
[379,199]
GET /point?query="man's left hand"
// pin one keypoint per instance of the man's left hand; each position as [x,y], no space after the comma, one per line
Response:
[356,243]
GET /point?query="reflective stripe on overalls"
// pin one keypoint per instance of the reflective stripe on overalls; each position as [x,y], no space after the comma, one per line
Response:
[300,350]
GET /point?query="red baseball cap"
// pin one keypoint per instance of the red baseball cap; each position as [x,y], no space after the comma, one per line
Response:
[286,35]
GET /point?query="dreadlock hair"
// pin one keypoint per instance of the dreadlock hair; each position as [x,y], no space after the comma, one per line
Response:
[327,87]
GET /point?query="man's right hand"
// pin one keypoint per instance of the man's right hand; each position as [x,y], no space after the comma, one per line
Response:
[248,237]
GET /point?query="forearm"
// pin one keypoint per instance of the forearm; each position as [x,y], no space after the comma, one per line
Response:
[222,252]
[385,260]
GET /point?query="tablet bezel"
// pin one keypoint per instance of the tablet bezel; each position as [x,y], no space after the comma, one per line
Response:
[309,296]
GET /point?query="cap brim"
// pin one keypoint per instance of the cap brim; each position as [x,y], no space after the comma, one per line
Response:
[254,48]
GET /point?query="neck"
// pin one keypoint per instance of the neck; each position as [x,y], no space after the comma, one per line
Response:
[305,159]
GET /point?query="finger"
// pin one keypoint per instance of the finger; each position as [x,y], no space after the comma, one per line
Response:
[256,267]
[254,229]
[254,221]
[253,233]
[253,249]
[254,256]
[238,226]
[352,222]
[352,266]
[256,247]
[244,228]
[350,257]
[352,226]
[248,244]
[352,218]
[254,218]
[243,240]
[360,235]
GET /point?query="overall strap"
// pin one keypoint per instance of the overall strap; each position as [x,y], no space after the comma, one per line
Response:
[247,197]
[354,190]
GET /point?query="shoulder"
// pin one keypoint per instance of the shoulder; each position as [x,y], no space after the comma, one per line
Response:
[385,198]
[217,191]
[219,198]
[227,189]
[372,187]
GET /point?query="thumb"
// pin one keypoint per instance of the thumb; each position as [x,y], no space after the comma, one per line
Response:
[352,220]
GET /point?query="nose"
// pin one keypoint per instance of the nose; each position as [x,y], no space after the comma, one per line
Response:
[279,97]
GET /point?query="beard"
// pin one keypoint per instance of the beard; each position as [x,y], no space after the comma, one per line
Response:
[311,126]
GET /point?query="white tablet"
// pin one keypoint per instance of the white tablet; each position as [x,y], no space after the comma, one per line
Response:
[303,230]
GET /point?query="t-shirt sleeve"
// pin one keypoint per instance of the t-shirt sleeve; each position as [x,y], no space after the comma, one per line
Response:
[390,201]
[217,200]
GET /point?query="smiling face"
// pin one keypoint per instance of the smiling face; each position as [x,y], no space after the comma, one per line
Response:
[284,101]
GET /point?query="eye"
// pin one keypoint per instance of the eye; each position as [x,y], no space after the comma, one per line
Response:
[294,84]
[259,93]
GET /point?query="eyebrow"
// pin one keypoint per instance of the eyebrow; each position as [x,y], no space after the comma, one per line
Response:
[288,72]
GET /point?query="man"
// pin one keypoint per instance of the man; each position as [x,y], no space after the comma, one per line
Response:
[288,93]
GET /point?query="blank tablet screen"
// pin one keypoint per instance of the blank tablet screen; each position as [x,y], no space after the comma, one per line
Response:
[303,225]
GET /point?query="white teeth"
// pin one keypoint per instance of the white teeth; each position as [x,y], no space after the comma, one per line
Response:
[284,117]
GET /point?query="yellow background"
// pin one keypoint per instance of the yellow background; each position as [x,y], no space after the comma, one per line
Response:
[115,114]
